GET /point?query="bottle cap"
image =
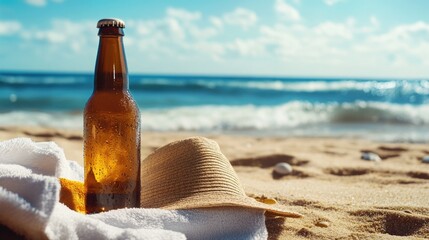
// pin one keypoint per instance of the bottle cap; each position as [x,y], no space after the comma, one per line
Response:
[111,22]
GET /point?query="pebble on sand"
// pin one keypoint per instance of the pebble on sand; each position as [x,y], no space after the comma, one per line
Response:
[323,224]
[369,156]
[425,159]
[283,168]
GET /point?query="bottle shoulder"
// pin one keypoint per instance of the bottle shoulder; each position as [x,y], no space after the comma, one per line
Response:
[110,101]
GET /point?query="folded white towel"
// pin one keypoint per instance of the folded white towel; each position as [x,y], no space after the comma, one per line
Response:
[29,203]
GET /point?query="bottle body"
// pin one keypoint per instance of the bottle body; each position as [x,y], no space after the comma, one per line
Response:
[111,152]
[111,134]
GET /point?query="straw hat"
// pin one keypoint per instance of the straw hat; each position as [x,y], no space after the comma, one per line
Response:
[193,173]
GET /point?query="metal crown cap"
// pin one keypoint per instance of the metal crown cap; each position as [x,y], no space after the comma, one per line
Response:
[111,22]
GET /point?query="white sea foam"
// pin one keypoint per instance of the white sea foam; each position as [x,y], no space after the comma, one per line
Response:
[218,118]
[44,80]
[288,115]
[245,118]
[292,85]
[420,87]
[42,119]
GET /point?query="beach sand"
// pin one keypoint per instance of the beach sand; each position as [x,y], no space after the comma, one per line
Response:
[341,196]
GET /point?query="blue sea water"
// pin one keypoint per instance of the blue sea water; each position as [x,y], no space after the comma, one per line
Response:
[391,110]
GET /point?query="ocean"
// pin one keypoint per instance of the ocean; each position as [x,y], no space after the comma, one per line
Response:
[380,109]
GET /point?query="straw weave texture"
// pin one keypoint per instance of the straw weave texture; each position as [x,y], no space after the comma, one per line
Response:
[193,173]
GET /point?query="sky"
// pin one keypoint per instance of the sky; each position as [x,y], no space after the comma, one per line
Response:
[309,38]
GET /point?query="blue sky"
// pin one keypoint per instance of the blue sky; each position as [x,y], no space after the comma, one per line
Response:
[333,38]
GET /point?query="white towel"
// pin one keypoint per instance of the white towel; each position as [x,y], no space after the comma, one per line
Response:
[29,205]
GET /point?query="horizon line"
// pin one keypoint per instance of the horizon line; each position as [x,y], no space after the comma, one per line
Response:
[211,75]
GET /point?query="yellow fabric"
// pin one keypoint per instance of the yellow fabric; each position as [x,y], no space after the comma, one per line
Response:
[72,194]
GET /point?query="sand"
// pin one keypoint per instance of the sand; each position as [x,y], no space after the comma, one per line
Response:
[341,195]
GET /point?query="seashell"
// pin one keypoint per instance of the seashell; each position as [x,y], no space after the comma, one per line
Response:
[266,200]
[369,156]
[269,201]
[283,168]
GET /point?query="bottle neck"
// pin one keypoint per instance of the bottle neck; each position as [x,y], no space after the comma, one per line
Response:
[111,73]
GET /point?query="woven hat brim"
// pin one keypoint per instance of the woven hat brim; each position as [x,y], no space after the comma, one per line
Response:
[225,200]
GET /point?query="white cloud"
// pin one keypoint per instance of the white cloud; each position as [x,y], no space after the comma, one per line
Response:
[129,41]
[407,43]
[332,2]
[213,49]
[74,35]
[175,28]
[372,27]
[183,37]
[217,22]
[151,34]
[286,11]
[374,21]
[248,47]
[182,14]
[177,25]
[327,44]
[331,45]
[403,34]
[333,29]
[41,3]
[241,17]
[37,3]
[202,33]
[178,34]
[51,36]
[9,27]
[297,43]
[345,46]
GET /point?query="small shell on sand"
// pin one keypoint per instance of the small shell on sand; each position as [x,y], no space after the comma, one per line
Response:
[425,159]
[266,200]
[269,201]
[369,156]
[283,168]
[323,224]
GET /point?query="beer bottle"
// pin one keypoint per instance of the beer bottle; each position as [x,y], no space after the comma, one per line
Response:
[111,128]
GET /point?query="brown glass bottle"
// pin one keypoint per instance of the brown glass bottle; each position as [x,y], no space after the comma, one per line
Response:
[111,129]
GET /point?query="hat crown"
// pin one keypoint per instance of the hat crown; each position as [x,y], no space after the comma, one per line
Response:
[193,173]
[188,168]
